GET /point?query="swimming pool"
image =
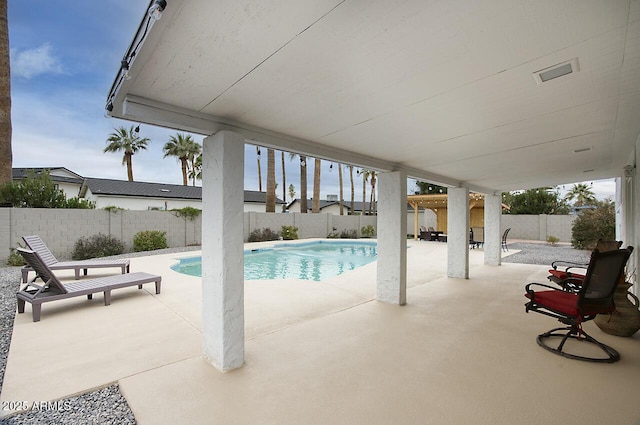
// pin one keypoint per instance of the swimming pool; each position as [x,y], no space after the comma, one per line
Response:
[308,261]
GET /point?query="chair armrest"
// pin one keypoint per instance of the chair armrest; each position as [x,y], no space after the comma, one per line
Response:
[531,291]
[568,264]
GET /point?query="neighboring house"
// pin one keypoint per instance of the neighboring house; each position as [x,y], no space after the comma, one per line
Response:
[156,196]
[64,179]
[135,195]
[331,206]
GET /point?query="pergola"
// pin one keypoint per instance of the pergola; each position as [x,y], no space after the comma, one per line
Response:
[437,203]
[481,97]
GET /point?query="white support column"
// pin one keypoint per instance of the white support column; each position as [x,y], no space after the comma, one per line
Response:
[223,250]
[492,234]
[392,238]
[458,233]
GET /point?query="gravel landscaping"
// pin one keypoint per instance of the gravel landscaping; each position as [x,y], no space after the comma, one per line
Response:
[544,253]
[108,406]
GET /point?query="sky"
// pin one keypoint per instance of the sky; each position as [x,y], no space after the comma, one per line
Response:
[65,56]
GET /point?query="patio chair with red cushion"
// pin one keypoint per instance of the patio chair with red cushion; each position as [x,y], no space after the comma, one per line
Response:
[594,297]
[571,273]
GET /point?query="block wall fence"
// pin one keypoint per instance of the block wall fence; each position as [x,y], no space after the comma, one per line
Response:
[61,228]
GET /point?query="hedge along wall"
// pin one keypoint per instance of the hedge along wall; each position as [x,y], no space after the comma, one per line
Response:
[309,225]
[61,228]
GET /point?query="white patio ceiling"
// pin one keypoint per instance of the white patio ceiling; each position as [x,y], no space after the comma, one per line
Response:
[441,89]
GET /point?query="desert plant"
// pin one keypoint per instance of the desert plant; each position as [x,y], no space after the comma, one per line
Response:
[289,233]
[594,224]
[552,240]
[99,245]
[149,240]
[368,231]
[261,235]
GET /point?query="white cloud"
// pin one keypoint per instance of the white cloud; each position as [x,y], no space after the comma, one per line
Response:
[31,63]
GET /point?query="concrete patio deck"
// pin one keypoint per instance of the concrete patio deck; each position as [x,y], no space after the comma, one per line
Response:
[460,352]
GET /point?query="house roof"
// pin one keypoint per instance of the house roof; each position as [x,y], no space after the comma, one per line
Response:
[357,205]
[156,190]
[448,92]
[58,174]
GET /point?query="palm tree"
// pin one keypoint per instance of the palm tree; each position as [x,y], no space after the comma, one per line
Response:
[365,178]
[5,98]
[127,141]
[259,169]
[582,193]
[195,172]
[372,208]
[353,192]
[341,189]
[292,192]
[303,181]
[284,183]
[183,147]
[196,153]
[315,208]
[271,181]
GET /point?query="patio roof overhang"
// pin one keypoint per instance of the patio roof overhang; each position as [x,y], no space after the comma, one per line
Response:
[446,92]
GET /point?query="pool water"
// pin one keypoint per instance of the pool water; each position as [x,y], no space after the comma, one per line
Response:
[308,261]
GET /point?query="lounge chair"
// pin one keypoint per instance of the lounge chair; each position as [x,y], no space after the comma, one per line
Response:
[36,244]
[52,289]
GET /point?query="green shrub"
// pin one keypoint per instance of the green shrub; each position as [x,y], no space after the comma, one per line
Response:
[594,224]
[150,240]
[113,208]
[189,213]
[35,191]
[552,240]
[349,234]
[80,203]
[261,235]
[289,233]
[99,245]
[15,259]
[368,231]
[333,235]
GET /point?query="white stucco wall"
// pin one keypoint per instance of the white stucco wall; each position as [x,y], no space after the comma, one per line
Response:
[143,204]
[70,190]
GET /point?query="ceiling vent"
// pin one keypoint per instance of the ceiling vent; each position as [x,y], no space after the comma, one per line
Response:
[556,71]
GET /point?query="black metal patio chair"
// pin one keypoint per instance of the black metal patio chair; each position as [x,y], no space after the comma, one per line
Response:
[594,297]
